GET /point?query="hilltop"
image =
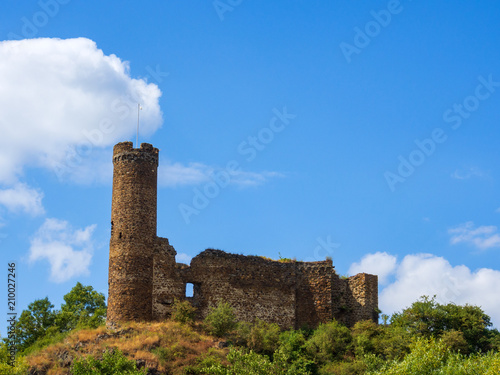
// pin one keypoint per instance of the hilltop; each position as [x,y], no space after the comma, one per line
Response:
[162,348]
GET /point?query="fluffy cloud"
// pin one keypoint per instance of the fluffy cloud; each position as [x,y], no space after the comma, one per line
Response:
[483,237]
[62,100]
[381,264]
[21,198]
[426,274]
[68,251]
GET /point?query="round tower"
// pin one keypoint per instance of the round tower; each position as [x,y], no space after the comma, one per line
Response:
[133,233]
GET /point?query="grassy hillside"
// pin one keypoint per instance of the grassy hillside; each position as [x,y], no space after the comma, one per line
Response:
[166,348]
[425,338]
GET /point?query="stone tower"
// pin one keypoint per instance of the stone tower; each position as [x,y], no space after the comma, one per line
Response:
[133,233]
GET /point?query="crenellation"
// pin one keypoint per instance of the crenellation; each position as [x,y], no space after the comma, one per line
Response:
[145,279]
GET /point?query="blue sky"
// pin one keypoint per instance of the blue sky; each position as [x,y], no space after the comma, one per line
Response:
[364,131]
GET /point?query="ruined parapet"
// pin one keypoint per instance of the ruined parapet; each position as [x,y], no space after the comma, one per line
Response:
[364,290]
[355,298]
[167,283]
[133,232]
[255,287]
[314,293]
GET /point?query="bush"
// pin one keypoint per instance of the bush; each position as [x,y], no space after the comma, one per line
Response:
[264,337]
[112,363]
[21,367]
[329,342]
[291,355]
[183,312]
[220,320]
[251,363]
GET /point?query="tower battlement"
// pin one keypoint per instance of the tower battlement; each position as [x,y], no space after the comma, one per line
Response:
[125,151]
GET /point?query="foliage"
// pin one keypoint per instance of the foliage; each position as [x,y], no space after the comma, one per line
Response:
[428,318]
[20,367]
[425,338]
[112,362]
[291,355]
[264,337]
[220,320]
[41,325]
[434,357]
[455,341]
[34,322]
[251,363]
[52,336]
[183,312]
[329,342]
[83,307]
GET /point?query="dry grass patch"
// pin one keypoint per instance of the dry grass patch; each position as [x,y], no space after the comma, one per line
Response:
[168,347]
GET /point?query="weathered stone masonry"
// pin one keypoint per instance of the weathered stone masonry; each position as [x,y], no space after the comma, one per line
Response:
[144,278]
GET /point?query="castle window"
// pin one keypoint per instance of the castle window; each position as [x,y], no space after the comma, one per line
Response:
[189,290]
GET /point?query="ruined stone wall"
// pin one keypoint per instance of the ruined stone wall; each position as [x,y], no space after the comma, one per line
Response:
[133,232]
[355,298]
[364,291]
[314,293]
[255,287]
[167,283]
[291,294]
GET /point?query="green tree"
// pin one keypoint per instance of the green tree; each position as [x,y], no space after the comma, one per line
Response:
[428,318]
[34,322]
[220,320]
[83,307]
[329,342]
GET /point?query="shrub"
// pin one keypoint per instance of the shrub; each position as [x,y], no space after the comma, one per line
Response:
[329,342]
[183,312]
[264,337]
[251,363]
[220,320]
[112,363]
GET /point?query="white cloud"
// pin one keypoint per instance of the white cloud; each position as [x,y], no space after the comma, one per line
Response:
[183,258]
[68,251]
[178,174]
[62,100]
[465,174]
[381,264]
[426,274]
[22,198]
[483,237]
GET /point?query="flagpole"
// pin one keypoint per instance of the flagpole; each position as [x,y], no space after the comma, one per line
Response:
[137,137]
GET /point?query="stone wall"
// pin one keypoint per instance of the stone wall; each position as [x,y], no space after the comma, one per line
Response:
[291,294]
[255,287]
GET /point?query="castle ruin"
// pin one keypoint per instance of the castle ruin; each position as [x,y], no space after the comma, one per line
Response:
[144,278]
